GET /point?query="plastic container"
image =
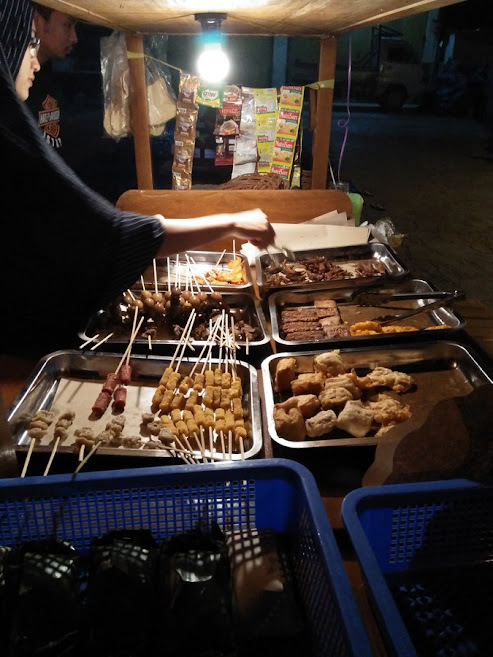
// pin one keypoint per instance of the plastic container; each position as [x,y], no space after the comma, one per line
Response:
[426,552]
[274,494]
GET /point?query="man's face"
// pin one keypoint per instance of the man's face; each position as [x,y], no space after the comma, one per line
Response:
[57,34]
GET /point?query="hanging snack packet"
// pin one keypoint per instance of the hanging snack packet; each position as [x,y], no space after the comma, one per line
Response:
[210,96]
[265,118]
[288,122]
[247,122]
[185,130]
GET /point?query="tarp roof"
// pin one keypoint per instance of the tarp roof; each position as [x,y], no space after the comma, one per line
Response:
[316,18]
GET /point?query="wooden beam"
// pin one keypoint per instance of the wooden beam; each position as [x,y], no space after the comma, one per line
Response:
[138,113]
[323,113]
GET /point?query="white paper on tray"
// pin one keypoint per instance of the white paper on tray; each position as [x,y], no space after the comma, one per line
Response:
[333,218]
[306,237]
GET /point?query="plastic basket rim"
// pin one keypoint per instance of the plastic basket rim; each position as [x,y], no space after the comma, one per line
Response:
[392,624]
[356,635]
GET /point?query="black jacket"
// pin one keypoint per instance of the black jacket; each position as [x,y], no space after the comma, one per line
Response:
[64,250]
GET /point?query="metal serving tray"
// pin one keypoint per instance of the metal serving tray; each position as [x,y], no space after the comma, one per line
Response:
[441,370]
[181,270]
[374,251]
[351,313]
[71,380]
[114,319]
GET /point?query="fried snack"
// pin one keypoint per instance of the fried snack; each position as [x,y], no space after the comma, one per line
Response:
[334,397]
[199,382]
[349,381]
[165,403]
[329,363]
[355,418]
[321,423]
[285,373]
[192,400]
[308,404]
[289,425]
[209,378]
[237,408]
[365,328]
[178,401]
[393,328]
[308,383]
[387,411]
[438,326]
[236,389]
[234,275]
[386,378]
[186,383]
[158,395]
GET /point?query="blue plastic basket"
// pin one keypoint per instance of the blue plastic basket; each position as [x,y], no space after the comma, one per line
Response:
[275,494]
[426,554]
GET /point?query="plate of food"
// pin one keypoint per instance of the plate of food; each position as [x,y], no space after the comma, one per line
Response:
[365,264]
[352,396]
[165,316]
[199,269]
[175,408]
[315,315]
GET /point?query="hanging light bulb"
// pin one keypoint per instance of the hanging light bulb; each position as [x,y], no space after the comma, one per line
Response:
[213,62]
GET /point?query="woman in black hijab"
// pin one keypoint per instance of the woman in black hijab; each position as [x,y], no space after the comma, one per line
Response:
[64,250]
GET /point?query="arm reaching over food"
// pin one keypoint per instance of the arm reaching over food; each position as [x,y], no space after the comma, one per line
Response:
[188,234]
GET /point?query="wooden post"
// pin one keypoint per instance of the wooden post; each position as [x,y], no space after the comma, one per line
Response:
[138,113]
[323,113]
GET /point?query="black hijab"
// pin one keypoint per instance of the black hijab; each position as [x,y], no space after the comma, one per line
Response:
[67,249]
[16,19]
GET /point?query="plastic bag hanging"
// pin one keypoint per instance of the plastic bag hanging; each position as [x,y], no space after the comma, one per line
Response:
[115,78]
[161,100]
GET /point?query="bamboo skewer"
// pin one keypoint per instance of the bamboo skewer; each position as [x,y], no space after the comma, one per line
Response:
[98,344]
[52,456]
[156,289]
[220,258]
[86,459]
[84,344]
[28,456]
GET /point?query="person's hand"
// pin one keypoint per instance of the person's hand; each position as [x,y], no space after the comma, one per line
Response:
[254,226]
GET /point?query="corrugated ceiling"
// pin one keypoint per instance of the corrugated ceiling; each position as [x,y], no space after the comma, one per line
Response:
[247,17]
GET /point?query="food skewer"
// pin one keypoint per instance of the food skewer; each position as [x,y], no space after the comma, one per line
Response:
[234,377]
[52,456]
[88,456]
[61,432]
[28,456]
[220,258]
[156,289]
[84,344]
[205,279]
[98,344]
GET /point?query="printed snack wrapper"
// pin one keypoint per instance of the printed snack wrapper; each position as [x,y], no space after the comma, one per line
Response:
[210,96]
[185,131]
[265,119]
[287,127]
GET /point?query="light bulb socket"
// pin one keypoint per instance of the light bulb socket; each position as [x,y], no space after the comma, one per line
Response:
[210,22]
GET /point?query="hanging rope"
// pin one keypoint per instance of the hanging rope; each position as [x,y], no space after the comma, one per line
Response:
[344,123]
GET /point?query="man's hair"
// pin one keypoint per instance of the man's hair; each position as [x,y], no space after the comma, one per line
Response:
[45,12]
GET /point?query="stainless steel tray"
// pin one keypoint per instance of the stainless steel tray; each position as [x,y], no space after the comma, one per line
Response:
[375,252]
[180,270]
[71,380]
[441,370]
[117,319]
[351,313]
